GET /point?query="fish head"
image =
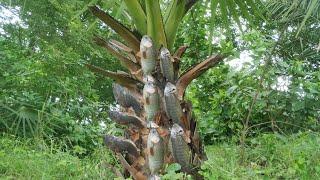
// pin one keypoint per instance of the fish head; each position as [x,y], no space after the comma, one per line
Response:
[146,42]
[154,135]
[152,125]
[176,130]
[164,52]
[170,88]
[149,88]
[148,79]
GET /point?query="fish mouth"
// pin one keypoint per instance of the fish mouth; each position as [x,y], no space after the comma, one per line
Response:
[176,129]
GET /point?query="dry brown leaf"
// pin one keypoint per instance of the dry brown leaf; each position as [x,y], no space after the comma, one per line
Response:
[135,136]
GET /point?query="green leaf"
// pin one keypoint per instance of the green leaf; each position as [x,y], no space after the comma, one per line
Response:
[155,28]
[174,18]
[297,105]
[233,11]
[173,167]
[138,15]
[123,31]
[311,7]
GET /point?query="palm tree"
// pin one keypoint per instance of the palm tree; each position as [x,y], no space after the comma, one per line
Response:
[160,126]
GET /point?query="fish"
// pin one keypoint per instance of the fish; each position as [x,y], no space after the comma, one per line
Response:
[155,147]
[179,147]
[148,55]
[154,177]
[126,119]
[166,64]
[126,99]
[151,99]
[121,145]
[172,104]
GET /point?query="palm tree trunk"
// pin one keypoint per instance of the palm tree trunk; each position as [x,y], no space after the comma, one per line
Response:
[160,128]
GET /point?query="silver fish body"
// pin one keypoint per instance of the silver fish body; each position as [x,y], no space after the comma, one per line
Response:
[156,151]
[125,119]
[126,99]
[121,145]
[172,104]
[166,64]
[152,100]
[154,177]
[179,147]
[148,55]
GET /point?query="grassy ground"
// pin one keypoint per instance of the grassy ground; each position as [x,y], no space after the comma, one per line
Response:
[269,156]
[21,160]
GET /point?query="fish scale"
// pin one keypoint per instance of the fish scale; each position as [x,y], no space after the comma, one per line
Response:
[152,102]
[180,149]
[172,104]
[156,151]
[166,64]
[148,55]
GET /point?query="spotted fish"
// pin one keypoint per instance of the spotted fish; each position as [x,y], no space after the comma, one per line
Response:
[151,98]
[179,147]
[148,55]
[156,151]
[166,64]
[172,104]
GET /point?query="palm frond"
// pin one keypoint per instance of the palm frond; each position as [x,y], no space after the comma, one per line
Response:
[138,15]
[155,27]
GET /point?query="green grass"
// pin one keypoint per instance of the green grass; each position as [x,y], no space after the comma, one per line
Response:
[21,160]
[269,156]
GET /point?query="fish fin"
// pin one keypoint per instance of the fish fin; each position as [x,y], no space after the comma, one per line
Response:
[186,136]
[144,54]
[151,151]
[168,159]
[138,54]
[162,132]
[147,101]
[158,118]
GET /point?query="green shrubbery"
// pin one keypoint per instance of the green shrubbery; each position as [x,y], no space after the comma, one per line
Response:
[267,156]
[30,160]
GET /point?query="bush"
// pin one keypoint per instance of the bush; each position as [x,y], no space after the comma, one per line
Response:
[267,156]
[24,160]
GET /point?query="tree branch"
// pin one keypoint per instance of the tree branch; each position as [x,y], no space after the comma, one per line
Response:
[178,54]
[119,28]
[194,72]
[130,65]
[133,171]
[189,4]
[120,77]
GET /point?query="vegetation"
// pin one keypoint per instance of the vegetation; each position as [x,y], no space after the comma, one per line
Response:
[257,111]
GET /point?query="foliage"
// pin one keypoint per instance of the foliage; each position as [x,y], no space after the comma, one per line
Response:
[20,159]
[49,96]
[269,156]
